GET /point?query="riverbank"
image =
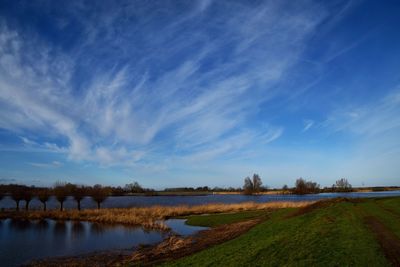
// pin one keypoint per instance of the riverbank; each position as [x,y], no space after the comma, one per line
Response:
[147,217]
[336,232]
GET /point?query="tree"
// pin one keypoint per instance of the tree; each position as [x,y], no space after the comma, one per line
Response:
[134,188]
[300,187]
[305,187]
[17,194]
[78,193]
[27,196]
[256,183]
[61,193]
[252,186]
[342,185]
[248,186]
[43,195]
[99,194]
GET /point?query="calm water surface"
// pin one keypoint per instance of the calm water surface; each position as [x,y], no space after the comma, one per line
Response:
[133,201]
[22,241]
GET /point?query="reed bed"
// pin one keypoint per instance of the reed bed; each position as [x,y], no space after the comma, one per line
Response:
[147,217]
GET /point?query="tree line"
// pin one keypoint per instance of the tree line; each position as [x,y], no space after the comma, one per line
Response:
[60,191]
[301,187]
[99,193]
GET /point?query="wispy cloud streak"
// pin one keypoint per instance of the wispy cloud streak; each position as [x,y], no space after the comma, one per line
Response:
[145,82]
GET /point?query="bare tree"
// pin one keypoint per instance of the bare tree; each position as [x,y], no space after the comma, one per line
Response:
[99,194]
[342,185]
[27,196]
[61,193]
[134,188]
[252,186]
[300,187]
[78,193]
[248,186]
[256,183]
[17,194]
[305,187]
[43,195]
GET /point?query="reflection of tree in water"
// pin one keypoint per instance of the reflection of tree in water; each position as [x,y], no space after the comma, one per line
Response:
[77,228]
[42,225]
[60,227]
[98,228]
[20,225]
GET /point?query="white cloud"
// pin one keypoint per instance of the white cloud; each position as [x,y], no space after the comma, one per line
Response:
[159,99]
[53,164]
[307,125]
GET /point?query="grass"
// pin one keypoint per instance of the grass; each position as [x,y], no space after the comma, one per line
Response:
[148,217]
[225,218]
[329,235]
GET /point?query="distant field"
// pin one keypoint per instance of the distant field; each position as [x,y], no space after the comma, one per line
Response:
[337,233]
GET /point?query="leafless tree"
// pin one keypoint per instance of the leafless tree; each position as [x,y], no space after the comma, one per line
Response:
[305,187]
[342,185]
[17,194]
[257,183]
[78,193]
[43,195]
[252,186]
[99,194]
[248,186]
[27,196]
[61,193]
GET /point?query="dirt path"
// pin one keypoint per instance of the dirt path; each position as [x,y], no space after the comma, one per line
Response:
[171,248]
[176,247]
[388,241]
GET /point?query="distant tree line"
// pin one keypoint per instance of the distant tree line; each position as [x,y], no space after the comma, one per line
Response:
[301,187]
[202,189]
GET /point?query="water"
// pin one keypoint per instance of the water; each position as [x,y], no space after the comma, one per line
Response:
[22,241]
[133,201]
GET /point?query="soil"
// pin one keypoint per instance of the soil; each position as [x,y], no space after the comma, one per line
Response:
[389,243]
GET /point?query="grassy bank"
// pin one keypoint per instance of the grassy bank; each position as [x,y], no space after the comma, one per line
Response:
[336,233]
[148,217]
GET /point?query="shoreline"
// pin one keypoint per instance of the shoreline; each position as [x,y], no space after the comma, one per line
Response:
[146,217]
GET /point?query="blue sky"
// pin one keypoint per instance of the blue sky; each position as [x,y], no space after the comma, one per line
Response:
[192,93]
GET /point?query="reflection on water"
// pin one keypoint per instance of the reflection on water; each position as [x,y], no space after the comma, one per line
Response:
[60,228]
[42,225]
[24,240]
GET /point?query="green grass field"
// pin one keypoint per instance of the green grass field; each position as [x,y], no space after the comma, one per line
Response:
[333,235]
[219,219]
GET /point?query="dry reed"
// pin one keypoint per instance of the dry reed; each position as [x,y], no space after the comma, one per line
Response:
[147,217]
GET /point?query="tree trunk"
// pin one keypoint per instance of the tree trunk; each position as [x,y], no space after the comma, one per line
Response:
[17,203]
[61,205]
[26,205]
[98,204]
[44,206]
[79,204]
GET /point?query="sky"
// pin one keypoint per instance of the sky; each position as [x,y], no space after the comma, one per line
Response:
[195,93]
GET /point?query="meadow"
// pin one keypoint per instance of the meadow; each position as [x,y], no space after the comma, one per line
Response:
[364,232]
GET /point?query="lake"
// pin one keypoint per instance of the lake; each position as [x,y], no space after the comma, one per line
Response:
[140,201]
[23,240]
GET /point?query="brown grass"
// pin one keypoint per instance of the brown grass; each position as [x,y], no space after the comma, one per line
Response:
[147,217]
